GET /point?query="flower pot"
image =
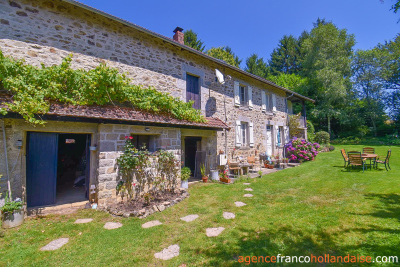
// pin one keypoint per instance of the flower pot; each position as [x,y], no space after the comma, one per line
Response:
[266,165]
[205,179]
[12,219]
[214,175]
[225,180]
[270,166]
[185,184]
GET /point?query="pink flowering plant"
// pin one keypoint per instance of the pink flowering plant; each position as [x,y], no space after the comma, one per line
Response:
[300,150]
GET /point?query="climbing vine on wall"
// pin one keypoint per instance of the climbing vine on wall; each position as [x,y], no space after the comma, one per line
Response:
[32,88]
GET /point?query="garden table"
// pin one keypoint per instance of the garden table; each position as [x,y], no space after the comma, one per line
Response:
[370,157]
[244,168]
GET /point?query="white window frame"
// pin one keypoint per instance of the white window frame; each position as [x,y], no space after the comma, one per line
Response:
[244,134]
[243,95]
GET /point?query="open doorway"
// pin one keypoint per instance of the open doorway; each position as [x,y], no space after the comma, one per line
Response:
[58,168]
[72,168]
[192,146]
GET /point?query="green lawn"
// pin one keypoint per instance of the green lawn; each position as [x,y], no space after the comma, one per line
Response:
[316,208]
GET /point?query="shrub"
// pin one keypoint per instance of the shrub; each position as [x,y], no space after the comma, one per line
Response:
[299,150]
[185,173]
[322,137]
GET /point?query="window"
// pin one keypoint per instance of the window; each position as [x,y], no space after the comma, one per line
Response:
[268,102]
[279,136]
[143,142]
[244,127]
[244,134]
[243,93]
[193,90]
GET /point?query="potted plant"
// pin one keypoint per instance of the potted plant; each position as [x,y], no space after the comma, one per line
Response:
[185,175]
[203,173]
[223,177]
[12,213]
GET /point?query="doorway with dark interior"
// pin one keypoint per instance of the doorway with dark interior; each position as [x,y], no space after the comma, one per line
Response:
[192,145]
[72,168]
[58,168]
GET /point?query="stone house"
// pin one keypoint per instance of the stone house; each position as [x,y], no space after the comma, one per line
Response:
[246,115]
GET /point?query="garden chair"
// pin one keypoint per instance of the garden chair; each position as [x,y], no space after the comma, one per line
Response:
[234,167]
[355,159]
[251,160]
[345,157]
[386,161]
[368,150]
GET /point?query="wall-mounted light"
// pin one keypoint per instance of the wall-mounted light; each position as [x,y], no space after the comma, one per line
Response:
[147,129]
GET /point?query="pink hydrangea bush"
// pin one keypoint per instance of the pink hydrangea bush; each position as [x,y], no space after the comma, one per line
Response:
[299,150]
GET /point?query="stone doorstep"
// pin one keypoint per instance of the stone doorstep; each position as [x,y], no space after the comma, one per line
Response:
[56,209]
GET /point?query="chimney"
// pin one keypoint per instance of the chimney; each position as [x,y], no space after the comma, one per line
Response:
[179,35]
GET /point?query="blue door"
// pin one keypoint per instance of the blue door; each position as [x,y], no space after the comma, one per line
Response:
[41,176]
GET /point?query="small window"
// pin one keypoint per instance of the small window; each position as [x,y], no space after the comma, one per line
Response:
[269,128]
[279,136]
[244,133]
[143,142]
[243,93]
[70,141]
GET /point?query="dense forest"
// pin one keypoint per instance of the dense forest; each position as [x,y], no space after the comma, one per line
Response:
[357,92]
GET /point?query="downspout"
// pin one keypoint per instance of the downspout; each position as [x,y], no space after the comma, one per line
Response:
[287,121]
[226,122]
[6,159]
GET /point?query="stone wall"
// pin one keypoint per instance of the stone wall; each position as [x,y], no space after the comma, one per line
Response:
[46,31]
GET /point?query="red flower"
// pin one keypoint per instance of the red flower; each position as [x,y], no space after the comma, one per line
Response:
[131,137]
[126,137]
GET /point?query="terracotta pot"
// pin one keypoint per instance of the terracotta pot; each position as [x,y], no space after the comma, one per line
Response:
[270,166]
[205,179]
[266,165]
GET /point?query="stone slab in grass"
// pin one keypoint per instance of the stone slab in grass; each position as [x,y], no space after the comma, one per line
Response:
[88,220]
[246,183]
[211,232]
[151,224]
[168,253]
[248,189]
[248,195]
[228,215]
[55,244]
[112,225]
[190,218]
[240,204]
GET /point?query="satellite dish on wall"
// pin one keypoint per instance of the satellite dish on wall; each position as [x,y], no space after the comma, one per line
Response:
[220,76]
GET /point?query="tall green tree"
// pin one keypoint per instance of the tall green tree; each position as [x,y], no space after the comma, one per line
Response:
[368,83]
[256,66]
[326,62]
[226,54]
[285,58]
[191,39]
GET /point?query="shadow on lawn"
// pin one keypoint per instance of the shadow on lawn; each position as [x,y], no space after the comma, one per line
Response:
[289,241]
[389,205]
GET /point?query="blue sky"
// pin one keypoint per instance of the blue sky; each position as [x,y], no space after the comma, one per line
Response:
[256,26]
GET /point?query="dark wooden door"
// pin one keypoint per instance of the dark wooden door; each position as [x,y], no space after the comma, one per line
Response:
[193,90]
[41,176]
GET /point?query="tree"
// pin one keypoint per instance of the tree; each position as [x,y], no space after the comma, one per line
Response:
[256,66]
[367,81]
[326,62]
[226,54]
[285,58]
[190,39]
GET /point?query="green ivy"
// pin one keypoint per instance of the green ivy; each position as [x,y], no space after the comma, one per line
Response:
[33,89]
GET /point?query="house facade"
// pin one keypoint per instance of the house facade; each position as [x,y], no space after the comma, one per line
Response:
[246,116]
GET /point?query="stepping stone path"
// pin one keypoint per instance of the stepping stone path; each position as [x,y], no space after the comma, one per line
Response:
[83,220]
[210,232]
[55,244]
[190,218]
[248,189]
[246,183]
[240,204]
[168,253]
[248,195]
[151,224]
[112,225]
[228,215]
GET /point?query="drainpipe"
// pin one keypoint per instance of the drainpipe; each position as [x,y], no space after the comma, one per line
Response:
[287,121]
[6,159]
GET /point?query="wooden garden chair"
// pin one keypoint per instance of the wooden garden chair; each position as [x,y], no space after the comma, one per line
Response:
[234,167]
[345,157]
[386,161]
[355,159]
[251,160]
[368,150]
